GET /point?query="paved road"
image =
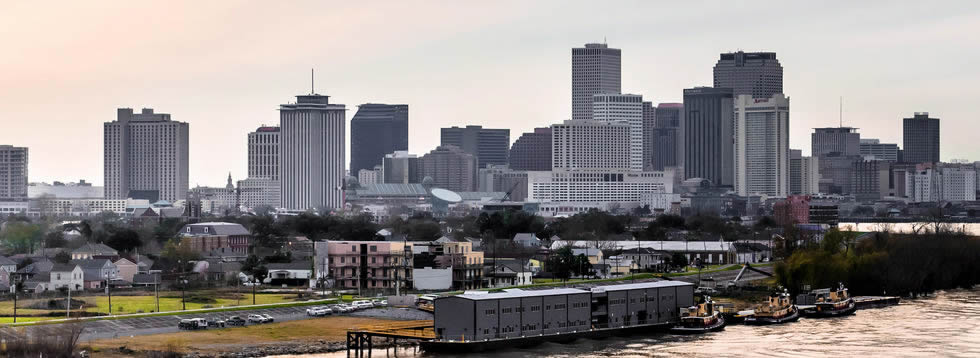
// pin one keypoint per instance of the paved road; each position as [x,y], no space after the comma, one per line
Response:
[722,277]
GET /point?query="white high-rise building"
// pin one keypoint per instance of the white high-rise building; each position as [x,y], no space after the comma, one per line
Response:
[145,156]
[762,145]
[312,155]
[263,153]
[595,69]
[623,108]
[809,175]
[588,145]
[598,186]
[959,183]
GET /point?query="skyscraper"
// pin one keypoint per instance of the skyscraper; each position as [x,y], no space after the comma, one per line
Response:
[668,139]
[762,145]
[920,139]
[708,131]
[757,74]
[532,151]
[595,69]
[312,153]
[873,149]
[649,140]
[490,146]
[628,109]
[376,130]
[145,156]
[263,153]
[401,167]
[13,173]
[450,168]
[843,140]
[590,145]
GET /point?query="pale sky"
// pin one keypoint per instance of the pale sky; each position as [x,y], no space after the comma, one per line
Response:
[224,67]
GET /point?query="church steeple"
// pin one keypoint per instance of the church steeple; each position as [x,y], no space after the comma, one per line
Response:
[229,185]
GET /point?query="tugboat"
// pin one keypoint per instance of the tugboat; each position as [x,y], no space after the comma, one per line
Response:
[779,309]
[702,318]
[836,303]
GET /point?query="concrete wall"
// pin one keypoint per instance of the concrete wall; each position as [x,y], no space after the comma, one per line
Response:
[432,279]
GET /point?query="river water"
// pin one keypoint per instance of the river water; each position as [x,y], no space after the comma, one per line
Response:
[946,324]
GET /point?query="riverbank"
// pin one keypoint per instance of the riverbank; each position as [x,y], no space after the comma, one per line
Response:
[320,335]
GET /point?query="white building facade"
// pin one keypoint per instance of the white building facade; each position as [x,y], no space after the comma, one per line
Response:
[619,186]
[312,153]
[590,145]
[623,108]
[263,153]
[762,145]
[145,156]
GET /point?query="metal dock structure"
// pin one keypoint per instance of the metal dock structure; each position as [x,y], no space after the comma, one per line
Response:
[362,337]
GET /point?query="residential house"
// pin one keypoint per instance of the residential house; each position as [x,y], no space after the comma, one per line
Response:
[620,266]
[66,275]
[217,239]
[127,269]
[220,271]
[37,283]
[528,240]
[146,279]
[94,251]
[97,272]
[8,265]
[294,273]
[594,255]
[143,264]
[647,259]
[505,272]
[31,270]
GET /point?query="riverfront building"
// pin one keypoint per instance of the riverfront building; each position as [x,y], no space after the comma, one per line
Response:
[518,313]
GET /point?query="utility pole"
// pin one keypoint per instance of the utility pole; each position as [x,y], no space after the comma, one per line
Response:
[255,281]
[108,291]
[156,289]
[68,306]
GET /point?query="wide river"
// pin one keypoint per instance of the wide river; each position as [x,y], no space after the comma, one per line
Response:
[945,325]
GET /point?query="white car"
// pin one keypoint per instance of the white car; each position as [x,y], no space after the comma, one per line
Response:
[268,318]
[380,303]
[318,311]
[362,304]
[256,318]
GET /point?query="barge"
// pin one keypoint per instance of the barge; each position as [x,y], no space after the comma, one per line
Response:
[518,318]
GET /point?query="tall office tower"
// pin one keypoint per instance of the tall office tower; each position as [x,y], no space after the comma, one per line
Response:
[757,74]
[312,155]
[668,139]
[13,173]
[762,145]
[649,138]
[263,153]
[843,140]
[870,180]
[595,69]
[377,130]
[708,131]
[401,168]
[590,145]
[873,149]
[920,139]
[450,168]
[145,156]
[532,151]
[489,146]
[623,108]
[804,173]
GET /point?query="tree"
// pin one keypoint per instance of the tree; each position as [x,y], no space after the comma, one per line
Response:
[21,237]
[177,250]
[124,239]
[55,238]
[678,259]
[62,257]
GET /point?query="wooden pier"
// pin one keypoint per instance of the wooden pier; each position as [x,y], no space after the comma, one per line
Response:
[361,338]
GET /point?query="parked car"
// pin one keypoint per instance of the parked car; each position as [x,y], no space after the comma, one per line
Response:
[192,324]
[380,303]
[218,323]
[318,311]
[268,318]
[362,304]
[256,318]
[235,321]
[705,291]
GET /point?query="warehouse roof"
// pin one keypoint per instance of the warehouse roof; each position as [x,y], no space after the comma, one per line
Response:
[520,293]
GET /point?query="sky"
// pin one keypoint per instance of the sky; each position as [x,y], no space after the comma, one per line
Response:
[224,67]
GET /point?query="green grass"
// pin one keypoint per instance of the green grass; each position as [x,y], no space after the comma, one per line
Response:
[134,304]
[25,319]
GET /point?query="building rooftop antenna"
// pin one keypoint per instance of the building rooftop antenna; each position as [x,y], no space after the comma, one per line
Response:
[841,114]
[312,84]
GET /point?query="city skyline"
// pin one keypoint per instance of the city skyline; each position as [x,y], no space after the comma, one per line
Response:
[199,75]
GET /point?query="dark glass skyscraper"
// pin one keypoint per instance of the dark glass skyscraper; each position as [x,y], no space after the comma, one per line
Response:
[377,130]
[708,134]
[758,74]
[920,139]
[490,146]
[668,139]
